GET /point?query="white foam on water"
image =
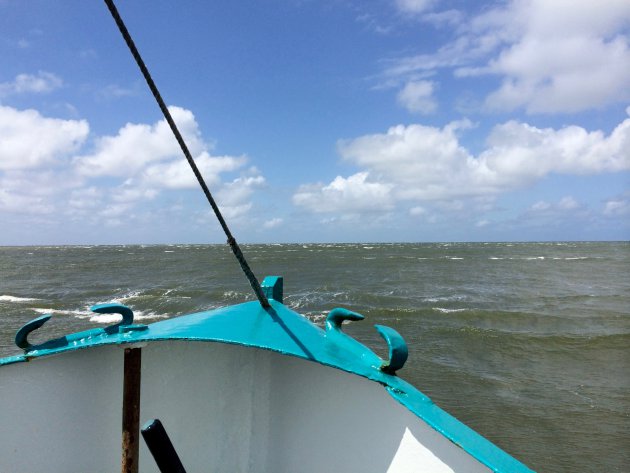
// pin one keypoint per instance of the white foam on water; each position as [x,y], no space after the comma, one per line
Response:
[98,318]
[124,297]
[454,297]
[7,298]
[106,318]
[495,258]
[115,318]
[80,314]
[169,251]
[316,317]
[447,311]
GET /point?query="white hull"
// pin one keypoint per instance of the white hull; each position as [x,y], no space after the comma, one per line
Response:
[227,408]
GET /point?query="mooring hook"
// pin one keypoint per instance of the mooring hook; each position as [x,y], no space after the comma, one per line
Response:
[398,351]
[336,317]
[113,308]
[21,336]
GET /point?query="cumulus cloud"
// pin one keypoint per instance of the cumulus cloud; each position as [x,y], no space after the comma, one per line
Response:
[34,191]
[617,207]
[568,57]
[21,203]
[418,163]
[563,212]
[137,144]
[51,174]
[234,197]
[178,175]
[273,223]
[40,83]
[568,203]
[551,57]
[346,195]
[417,97]
[56,138]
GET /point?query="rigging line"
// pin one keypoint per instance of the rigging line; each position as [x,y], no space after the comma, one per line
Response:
[156,94]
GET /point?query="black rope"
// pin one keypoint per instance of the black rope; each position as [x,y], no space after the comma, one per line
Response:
[147,76]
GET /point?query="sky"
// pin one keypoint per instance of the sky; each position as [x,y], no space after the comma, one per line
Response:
[316,121]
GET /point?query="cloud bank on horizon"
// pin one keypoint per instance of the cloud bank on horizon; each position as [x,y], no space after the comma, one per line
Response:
[507,121]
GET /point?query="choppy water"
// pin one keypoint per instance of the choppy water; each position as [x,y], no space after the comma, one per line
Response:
[528,343]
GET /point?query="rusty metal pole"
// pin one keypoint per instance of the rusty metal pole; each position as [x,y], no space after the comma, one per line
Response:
[131,410]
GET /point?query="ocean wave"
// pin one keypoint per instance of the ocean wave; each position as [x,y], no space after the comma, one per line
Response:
[454,297]
[316,317]
[114,318]
[448,311]
[80,314]
[7,298]
[86,313]
[127,296]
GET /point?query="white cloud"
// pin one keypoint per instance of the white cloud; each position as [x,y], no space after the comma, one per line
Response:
[564,212]
[235,212]
[42,82]
[138,145]
[20,203]
[273,223]
[541,206]
[55,138]
[35,191]
[617,207]
[40,176]
[414,6]
[345,195]
[150,159]
[448,18]
[482,223]
[420,163]
[233,198]
[115,91]
[129,194]
[85,200]
[568,203]
[549,75]
[413,162]
[417,96]
[417,211]
[178,175]
[552,56]
[519,151]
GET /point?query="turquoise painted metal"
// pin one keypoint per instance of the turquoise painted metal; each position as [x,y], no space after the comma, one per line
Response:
[282,330]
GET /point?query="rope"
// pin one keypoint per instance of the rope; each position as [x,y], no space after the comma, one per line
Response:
[156,94]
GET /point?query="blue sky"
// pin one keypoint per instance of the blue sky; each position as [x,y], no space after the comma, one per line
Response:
[328,120]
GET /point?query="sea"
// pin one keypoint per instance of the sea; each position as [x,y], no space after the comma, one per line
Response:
[527,343]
